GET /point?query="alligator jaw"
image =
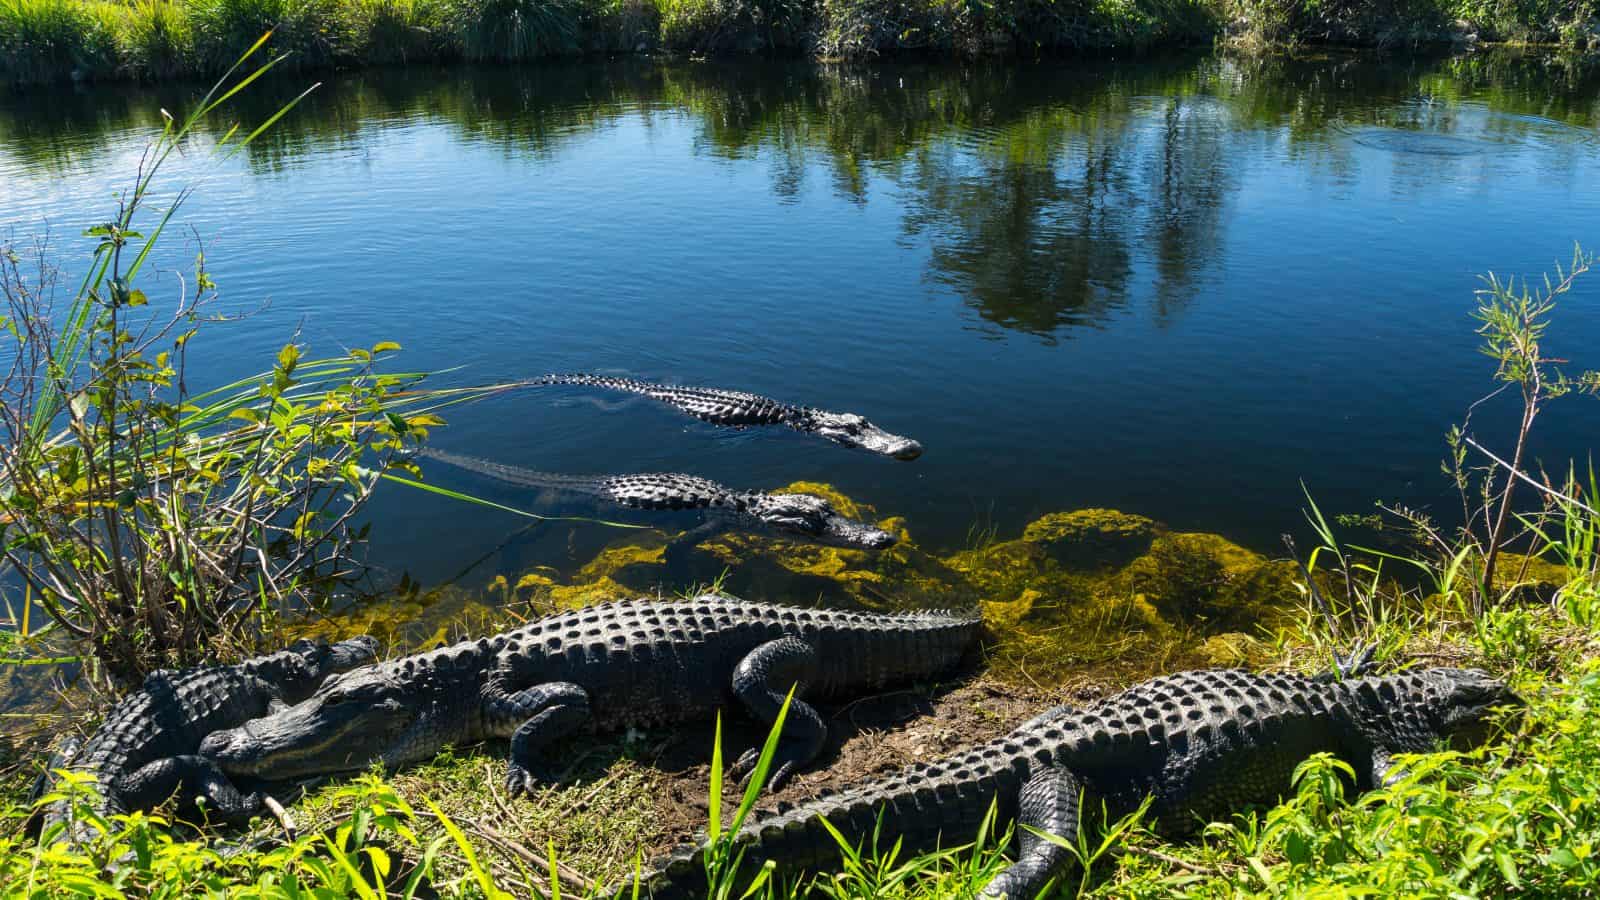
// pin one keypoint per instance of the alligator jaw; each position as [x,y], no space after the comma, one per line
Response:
[352,721]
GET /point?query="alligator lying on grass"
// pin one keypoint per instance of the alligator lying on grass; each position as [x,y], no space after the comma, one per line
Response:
[739,409]
[1202,744]
[633,663]
[144,752]
[801,516]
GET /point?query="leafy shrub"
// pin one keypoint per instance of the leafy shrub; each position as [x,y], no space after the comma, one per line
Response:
[157,526]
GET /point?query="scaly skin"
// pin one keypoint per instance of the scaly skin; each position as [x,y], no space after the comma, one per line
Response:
[634,663]
[799,516]
[1202,744]
[145,749]
[738,409]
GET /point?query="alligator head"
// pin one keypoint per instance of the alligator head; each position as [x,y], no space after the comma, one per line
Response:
[353,720]
[812,518]
[855,431]
[1460,702]
[304,664]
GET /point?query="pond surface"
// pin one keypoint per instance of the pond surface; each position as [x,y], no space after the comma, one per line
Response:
[1176,287]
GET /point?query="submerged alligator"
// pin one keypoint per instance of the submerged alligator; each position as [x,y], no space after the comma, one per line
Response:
[632,663]
[801,516]
[1201,744]
[738,409]
[144,752]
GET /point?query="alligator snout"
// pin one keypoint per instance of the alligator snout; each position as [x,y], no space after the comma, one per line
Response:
[907,449]
[218,745]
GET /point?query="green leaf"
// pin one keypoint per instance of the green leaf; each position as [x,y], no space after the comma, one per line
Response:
[384,346]
[1562,858]
[288,357]
[1508,866]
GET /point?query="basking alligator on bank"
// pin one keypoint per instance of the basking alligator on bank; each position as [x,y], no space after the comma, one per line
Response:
[1202,744]
[738,409]
[144,752]
[633,663]
[800,516]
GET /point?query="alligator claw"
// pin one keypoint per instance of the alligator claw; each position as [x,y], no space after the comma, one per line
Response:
[745,769]
[744,766]
[519,781]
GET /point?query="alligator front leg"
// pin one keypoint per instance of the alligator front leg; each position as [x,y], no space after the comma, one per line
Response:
[195,781]
[1384,771]
[762,682]
[676,555]
[1049,803]
[546,713]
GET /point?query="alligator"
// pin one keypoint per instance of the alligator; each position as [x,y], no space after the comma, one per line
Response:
[144,751]
[1200,745]
[634,663]
[738,409]
[801,516]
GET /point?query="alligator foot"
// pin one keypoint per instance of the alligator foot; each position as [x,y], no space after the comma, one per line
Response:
[763,681]
[1047,803]
[546,713]
[197,783]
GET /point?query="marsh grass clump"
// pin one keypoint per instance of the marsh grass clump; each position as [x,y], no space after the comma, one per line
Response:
[391,32]
[735,26]
[50,40]
[507,31]
[308,34]
[156,39]
[859,28]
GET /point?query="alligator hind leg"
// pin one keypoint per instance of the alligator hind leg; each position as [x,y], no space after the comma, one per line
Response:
[547,712]
[1048,803]
[762,682]
[195,781]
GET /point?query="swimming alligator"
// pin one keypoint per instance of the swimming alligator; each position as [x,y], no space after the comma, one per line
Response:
[801,516]
[144,751]
[1201,744]
[632,663]
[738,409]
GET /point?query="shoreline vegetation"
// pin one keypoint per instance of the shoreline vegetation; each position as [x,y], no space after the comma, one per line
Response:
[48,41]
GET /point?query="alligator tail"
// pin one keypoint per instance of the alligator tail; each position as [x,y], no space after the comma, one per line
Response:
[894,649]
[933,811]
[516,474]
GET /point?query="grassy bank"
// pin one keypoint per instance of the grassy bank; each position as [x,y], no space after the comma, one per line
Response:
[44,41]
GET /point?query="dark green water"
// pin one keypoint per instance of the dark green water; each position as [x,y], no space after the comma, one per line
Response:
[1175,286]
